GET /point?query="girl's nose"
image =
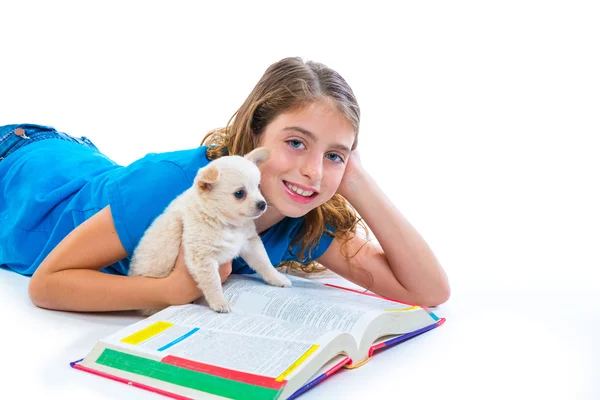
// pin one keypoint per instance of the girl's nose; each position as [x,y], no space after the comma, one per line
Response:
[312,169]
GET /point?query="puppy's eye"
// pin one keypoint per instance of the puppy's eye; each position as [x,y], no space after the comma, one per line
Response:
[240,194]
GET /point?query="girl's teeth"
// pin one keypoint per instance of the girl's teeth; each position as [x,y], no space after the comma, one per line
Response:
[301,192]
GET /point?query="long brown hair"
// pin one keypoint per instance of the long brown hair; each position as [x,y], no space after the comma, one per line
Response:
[287,85]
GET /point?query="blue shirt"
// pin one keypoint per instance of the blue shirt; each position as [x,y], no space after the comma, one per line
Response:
[49,187]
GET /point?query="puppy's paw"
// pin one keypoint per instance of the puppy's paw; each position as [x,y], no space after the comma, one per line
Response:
[220,306]
[277,279]
[149,311]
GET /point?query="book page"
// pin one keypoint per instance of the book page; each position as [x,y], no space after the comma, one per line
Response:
[183,318]
[237,284]
[254,344]
[253,354]
[306,303]
[236,321]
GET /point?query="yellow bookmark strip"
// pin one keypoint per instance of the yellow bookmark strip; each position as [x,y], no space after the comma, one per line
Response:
[299,361]
[147,332]
[402,309]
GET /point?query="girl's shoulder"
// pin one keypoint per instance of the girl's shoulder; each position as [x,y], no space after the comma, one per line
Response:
[189,161]
[141,191]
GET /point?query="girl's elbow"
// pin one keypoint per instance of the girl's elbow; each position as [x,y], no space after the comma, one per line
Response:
[441,297]
[38,292]
[426,298]
[438,293]
[437,297]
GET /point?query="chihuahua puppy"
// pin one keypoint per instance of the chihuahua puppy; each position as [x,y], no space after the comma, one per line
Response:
[213,221]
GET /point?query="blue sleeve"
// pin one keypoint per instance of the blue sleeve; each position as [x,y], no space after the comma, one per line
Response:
[140,194]
[322,245]
[316,252]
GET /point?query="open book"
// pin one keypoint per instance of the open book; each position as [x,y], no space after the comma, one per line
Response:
[275,344]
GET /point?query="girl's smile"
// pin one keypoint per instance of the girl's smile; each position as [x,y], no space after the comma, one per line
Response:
[300,193]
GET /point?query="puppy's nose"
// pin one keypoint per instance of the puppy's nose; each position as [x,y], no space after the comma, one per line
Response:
[261,205]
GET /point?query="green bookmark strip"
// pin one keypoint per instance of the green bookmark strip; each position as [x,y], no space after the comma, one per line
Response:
[185,377]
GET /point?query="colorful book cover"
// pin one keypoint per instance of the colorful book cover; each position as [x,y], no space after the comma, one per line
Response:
[224,382]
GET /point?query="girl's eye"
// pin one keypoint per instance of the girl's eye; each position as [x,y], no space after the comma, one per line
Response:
[334,157]
[240,194]
[295,143]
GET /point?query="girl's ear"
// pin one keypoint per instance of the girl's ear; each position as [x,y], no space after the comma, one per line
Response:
[258,155]
[207,177]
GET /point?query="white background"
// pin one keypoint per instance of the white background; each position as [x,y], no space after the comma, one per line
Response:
[479,120]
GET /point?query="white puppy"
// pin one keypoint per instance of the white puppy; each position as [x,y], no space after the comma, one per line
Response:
[213,220]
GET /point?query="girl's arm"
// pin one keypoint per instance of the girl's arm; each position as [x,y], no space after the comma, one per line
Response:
[403,267]
[69,278]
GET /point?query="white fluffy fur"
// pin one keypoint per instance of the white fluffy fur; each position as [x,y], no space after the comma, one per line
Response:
[214,227]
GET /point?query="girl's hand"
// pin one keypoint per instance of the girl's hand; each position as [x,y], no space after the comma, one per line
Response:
[354,170]
[181,287]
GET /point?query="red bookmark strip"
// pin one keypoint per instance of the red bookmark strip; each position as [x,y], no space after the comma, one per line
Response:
[376,347]
[369,294]
[339,365]
[252,379]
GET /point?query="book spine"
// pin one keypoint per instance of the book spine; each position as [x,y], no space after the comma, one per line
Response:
[321,378]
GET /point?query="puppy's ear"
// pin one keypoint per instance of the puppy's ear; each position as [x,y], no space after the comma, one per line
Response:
[258,155]
[207,177]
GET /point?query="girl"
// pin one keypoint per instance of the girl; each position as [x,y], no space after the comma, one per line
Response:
[71,217]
